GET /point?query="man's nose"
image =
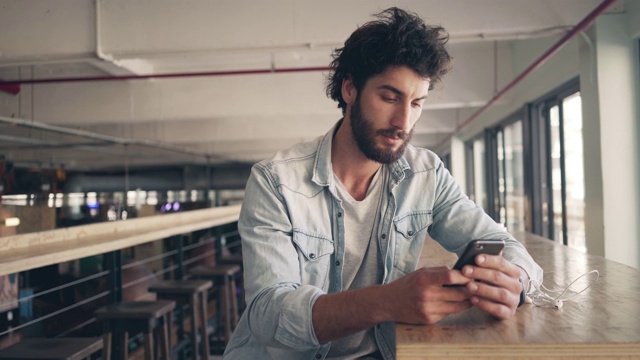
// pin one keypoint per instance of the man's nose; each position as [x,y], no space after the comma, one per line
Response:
[402,117]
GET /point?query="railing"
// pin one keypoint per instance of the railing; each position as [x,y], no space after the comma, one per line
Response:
[34,250]
[65,307]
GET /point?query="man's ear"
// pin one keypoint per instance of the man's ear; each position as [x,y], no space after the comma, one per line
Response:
[349,92]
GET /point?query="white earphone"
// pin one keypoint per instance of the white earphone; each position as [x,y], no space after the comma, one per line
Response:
[541,296]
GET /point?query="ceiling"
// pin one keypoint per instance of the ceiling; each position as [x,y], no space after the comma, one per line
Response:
[242,78]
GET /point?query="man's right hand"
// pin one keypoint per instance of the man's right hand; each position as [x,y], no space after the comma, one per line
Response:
[417,298]
[421,298]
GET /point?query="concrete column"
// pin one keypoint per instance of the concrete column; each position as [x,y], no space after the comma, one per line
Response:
[608,80]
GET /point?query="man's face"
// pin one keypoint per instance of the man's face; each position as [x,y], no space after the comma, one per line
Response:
[384,113]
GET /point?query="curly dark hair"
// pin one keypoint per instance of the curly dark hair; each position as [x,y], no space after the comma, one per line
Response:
[397,38]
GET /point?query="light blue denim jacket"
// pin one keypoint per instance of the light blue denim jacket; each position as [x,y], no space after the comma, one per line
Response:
[292,232]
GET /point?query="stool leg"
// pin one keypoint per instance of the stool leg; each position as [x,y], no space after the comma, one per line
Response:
[234,302]
[227,310]
[148,345]
[193,304]
[169,324]
[125,345]
[203,326]
[166,348]
[106,346]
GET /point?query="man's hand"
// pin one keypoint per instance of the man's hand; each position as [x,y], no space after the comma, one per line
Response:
[498,291]
[420,297]
[417,298]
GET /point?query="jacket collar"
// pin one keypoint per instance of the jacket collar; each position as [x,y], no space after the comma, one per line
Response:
[323,170]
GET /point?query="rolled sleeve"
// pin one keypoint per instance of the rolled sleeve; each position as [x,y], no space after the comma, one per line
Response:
[295,323]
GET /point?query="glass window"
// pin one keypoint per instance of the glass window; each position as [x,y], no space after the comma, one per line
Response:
[480,194]
[564,161]
[502,210]
[574,165]
[513,178]
[556,171]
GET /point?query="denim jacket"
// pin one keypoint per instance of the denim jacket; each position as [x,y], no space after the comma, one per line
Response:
[292,232]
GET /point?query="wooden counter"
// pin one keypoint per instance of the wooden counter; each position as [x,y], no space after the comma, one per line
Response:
[604,322]
[34,250]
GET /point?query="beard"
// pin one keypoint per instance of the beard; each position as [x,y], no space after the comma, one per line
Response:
[365,136]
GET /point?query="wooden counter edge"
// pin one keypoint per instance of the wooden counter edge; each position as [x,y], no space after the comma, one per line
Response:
[40,253]
[520,350]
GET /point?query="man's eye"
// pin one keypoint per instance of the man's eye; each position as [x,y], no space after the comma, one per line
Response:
[388,99]
[416,105]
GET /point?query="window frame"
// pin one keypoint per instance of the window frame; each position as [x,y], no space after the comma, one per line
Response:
[540,186]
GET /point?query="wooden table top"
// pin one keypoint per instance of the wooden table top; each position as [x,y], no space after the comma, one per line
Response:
[603,322]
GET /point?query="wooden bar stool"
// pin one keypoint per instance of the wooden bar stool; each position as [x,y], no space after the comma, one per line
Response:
[148,317]
[223,274]
[193,293]
[235,259]
[52,349]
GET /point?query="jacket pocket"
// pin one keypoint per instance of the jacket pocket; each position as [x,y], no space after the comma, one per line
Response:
[312,246]
[409,239]
[410,224]
[314,255]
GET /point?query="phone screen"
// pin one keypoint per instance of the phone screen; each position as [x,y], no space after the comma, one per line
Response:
[476,247]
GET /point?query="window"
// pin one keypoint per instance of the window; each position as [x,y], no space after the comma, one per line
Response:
[560,174]
[505,179]
[476,173]
[513,211]
[446,161]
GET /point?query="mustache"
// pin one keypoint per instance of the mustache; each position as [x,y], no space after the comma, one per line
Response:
[395,133]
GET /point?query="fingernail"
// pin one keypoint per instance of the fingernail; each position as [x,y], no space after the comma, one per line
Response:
[473,287]
[475,300]
[468,270]
[480,259]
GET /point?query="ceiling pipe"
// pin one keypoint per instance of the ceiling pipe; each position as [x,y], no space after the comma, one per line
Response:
[108,58]
[165,76]
[533,67]
[106,138]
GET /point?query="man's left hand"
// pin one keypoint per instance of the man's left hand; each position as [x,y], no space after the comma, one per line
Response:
[499,288]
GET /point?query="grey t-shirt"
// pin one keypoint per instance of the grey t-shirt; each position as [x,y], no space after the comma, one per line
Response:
[362,263]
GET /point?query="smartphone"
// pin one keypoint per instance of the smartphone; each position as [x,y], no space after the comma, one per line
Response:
[476,247]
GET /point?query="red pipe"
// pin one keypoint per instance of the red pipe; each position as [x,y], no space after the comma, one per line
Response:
[160,76]
[13,89]
[534,66]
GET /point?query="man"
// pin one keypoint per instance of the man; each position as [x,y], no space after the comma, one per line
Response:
[332,229]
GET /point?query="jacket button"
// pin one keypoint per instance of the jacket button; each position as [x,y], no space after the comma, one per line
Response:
[318,356]
[312,256]
[384,236]
[339,214]
[338,263]
[410,233]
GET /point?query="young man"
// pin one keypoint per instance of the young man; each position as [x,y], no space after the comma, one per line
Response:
[332,229]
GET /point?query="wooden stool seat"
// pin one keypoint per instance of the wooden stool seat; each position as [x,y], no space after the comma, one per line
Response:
[137,316]
[193,293]
[233,259]
[224,274]
[180,287]
[52,349]
[216,270]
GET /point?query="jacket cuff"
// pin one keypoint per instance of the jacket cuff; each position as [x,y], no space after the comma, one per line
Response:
[295,324]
